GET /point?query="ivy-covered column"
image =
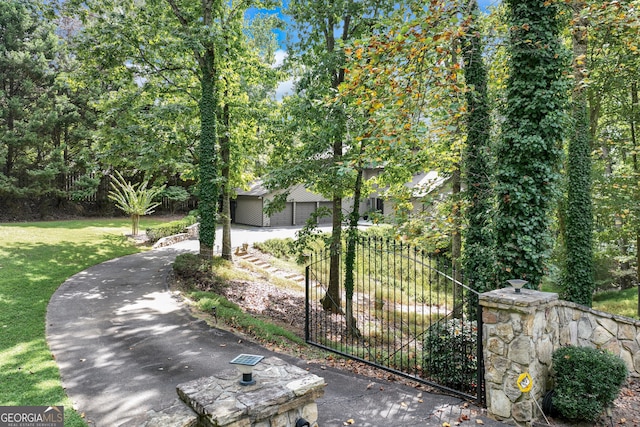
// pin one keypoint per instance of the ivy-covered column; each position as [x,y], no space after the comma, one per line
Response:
[527,156]
[209,188]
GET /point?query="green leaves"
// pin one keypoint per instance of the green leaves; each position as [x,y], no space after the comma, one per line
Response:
[528,152]
[587,380]
[134,200]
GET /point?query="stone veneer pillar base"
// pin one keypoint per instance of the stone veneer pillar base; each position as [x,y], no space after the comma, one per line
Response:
[517,339]
[283,393]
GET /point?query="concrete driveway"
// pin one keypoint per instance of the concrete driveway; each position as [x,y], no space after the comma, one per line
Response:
[248,234]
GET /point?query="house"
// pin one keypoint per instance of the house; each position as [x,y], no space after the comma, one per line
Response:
[301,203]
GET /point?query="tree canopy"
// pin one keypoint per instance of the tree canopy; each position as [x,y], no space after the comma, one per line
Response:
[535,145]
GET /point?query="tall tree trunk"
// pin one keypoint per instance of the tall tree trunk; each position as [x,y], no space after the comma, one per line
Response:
[636,171]
[207,150]
[578,280]
[456,236]
[528,153]
[350,257]
[225,154]
[332,300]
[478,264]
[208,203]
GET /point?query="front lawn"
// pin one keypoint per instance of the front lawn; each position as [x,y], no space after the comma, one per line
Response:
[36,258]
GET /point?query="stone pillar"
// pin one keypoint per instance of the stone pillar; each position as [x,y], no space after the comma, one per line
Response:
[518,338]
[282,394]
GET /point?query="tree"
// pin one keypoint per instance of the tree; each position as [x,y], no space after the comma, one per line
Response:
[577,280]
[614,61]
[247,83]
[318,140]
[478,257]
[193,22]
[528,152]
[35,110]
[134,200]
[163,59]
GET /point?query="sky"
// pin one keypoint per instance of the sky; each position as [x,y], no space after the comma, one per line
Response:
[286,87]
[282,34]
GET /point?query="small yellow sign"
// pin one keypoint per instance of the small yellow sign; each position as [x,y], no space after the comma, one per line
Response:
[525,382]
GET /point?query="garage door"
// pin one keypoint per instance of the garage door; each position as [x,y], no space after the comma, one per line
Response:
[284,217]
[304,210]
[326,219]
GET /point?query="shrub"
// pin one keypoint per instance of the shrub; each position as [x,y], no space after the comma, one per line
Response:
[175,195]
[157,232]
[450,348]
[190,265]
[279,248]
[587,380]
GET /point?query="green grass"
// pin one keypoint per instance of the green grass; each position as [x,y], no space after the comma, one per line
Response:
[35,259]
[624,303]
[233,316]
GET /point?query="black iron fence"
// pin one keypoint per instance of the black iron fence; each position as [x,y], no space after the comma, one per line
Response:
[407,312]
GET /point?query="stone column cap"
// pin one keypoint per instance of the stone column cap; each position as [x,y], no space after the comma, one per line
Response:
[508,297]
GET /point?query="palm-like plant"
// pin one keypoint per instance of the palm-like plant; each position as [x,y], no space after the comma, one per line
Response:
[134,199]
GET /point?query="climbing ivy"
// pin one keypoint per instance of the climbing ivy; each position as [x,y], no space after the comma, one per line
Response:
[478,257]
[209,186]
[578,281]
[528,152]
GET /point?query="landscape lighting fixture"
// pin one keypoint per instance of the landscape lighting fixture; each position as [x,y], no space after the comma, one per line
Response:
[517,283]
[245,364]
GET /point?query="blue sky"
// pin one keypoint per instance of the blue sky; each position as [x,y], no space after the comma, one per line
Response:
[282,35]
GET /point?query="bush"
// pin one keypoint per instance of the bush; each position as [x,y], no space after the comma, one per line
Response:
[587,380]
[175,195]
[190,265]
[279,248]
[450,348]
[157,232]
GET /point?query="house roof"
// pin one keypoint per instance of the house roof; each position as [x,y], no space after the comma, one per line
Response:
[256,188]
[425,182]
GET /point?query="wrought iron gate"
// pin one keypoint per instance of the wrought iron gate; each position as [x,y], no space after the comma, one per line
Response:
[411,315]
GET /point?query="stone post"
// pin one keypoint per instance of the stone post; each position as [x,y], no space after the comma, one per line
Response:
[517,339]
[282,395]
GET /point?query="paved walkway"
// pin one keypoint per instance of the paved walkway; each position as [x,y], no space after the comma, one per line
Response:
[123,342]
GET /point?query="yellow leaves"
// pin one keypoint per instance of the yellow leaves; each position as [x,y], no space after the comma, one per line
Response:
[376,105]
[359,52]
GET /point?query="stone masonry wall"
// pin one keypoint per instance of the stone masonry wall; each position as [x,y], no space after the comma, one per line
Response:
[582,326]
[522,330]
